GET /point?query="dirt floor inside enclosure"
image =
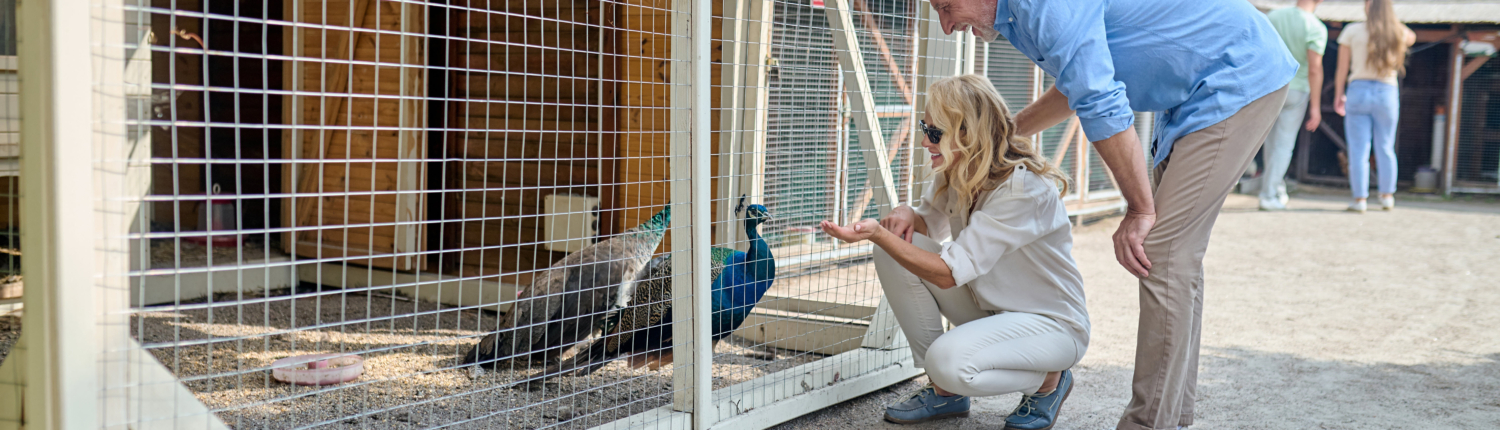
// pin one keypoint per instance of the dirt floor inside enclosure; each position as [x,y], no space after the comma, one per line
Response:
[411,378]
[1314,318]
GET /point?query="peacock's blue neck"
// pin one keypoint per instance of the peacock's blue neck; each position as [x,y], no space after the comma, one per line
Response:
[762,264]
[745,280]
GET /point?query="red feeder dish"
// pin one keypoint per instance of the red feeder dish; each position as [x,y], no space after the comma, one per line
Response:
[318,369]
[218,217]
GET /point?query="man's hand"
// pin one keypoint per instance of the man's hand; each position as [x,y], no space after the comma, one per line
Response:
[1313,119]
[902,222]
[1130,250]
[864,229]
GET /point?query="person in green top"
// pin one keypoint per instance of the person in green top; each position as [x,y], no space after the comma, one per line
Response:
[1305,36]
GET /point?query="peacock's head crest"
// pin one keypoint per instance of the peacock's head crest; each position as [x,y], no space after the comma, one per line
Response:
[757,214]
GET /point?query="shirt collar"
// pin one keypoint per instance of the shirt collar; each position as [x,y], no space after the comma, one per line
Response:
[1002,13]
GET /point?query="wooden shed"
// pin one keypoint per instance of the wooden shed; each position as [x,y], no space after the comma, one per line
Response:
[421,139]
[1440,79]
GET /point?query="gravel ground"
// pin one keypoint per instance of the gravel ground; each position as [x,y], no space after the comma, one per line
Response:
[165,253]
[1315,318]
[411,380]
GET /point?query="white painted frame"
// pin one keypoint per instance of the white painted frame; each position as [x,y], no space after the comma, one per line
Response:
[692,226]
[76,366]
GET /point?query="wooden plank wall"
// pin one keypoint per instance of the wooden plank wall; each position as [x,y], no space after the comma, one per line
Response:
[533,119]
[646,48]
[373,135]
[570,97]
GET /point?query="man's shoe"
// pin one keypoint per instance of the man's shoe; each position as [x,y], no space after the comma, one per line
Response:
[1039,411]
[926,405]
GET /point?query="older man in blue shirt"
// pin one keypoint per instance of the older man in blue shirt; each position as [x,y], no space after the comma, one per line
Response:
[1216,73]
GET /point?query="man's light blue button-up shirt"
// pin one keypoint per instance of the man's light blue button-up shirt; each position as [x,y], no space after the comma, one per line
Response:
[1193,62]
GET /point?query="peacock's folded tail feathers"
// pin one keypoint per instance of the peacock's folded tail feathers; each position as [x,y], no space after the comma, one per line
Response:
[562,304]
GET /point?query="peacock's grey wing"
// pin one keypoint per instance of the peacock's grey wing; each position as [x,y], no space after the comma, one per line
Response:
[591,292]
[652,285]
[502,342]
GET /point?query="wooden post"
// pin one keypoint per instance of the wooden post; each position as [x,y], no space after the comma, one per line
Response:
[680,149]
[732,68]
[411,142]
[753,109]
[692,224]
[1455,103]
[1083,166]
[57,201]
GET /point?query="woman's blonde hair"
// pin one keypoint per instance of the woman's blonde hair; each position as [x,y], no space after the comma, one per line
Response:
[1387,40]
[982,149]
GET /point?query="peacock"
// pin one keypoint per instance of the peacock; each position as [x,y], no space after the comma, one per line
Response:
[643,332]
[564,303]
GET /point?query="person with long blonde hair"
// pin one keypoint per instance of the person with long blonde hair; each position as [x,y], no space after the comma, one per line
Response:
[1006,280]
[1371,55]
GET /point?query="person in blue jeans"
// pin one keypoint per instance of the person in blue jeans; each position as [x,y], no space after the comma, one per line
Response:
[1371,55]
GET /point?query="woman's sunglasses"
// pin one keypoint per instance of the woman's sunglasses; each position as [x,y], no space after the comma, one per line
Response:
[933,134]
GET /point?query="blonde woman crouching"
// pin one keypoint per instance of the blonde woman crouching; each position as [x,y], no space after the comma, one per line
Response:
[1006,280]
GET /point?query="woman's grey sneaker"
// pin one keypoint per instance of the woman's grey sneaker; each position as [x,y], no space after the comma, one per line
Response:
[1039,411]
[926,405]
[1387,203]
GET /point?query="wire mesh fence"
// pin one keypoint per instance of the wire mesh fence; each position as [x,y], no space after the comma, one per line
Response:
[1477,159]
[513,214]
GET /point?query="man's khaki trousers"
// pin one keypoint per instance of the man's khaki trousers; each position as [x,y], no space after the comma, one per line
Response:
[1190,187]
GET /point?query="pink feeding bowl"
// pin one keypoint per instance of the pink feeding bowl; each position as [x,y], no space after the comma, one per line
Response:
[318,369]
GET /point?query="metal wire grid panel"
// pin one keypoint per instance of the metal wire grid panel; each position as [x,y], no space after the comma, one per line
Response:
[396,183]
[1477,159]
[394,180]
[1020,82]
[10,154]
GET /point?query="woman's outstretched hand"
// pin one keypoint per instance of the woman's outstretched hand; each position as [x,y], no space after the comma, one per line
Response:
[856,232]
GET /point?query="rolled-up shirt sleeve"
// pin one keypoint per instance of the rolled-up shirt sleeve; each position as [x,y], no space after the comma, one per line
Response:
[1000,228]
[1070,35]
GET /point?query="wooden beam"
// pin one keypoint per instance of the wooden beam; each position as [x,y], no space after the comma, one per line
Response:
[755,106]
[291,114]
[864,198]
[858,87]
[411,141]
[1067,140]
[1081,175]
[1455,103]
[732,75]
[885,51]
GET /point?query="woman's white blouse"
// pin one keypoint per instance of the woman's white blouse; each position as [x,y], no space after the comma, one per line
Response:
[1015,251]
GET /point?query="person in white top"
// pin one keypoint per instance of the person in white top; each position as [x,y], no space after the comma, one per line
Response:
[1006,280]
[1371,55]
